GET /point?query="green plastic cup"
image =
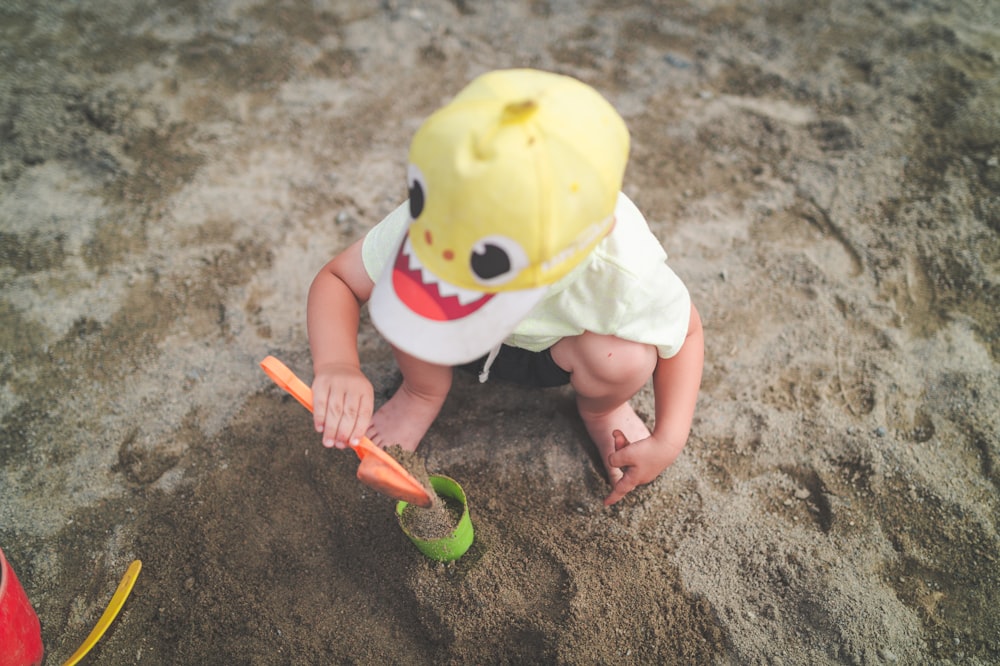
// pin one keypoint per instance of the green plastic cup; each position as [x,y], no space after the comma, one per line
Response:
[453,546]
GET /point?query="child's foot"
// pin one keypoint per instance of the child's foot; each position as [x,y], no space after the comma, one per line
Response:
[600,426]
[404,419]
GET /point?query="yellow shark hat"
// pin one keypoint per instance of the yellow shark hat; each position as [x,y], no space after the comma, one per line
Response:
[512,184]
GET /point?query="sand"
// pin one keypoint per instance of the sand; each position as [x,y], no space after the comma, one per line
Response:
[436,521]
[825,177]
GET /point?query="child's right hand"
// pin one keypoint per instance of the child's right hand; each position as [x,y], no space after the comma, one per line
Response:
[343,401]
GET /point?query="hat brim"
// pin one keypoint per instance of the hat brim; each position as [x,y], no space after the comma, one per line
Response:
[432,320]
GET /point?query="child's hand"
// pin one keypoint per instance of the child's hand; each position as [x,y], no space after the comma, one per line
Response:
[343,400]
[640,462]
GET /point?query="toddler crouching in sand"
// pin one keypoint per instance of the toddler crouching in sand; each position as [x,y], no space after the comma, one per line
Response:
[515,248]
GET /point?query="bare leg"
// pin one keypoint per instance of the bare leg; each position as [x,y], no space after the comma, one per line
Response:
[606,372]
[406,416]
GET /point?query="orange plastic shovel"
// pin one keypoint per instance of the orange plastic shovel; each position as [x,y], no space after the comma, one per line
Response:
[377,469]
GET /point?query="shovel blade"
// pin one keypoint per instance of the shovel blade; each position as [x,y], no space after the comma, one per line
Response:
[382,472]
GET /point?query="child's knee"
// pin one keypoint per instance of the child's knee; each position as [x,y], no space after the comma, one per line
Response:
[611,360]
[630,361]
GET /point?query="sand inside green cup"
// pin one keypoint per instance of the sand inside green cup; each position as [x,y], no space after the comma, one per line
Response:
[437,521]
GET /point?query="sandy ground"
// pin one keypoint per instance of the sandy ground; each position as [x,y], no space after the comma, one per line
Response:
[825,177]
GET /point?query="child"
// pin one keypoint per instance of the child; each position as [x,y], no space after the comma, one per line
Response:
[516,248]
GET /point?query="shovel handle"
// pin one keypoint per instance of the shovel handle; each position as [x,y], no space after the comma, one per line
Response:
[286,379]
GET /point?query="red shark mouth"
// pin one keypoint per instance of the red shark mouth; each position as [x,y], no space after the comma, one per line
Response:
[427,295]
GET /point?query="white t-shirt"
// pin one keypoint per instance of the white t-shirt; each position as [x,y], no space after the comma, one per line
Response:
[624,288]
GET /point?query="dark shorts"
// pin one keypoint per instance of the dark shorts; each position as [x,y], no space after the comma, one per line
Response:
[520,366]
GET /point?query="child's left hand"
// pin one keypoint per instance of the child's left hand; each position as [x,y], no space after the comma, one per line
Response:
[640,462]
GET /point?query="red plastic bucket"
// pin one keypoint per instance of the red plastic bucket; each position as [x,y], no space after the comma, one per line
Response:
[20,631]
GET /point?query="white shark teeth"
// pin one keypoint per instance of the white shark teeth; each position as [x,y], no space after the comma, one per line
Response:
[411,257]
[464,296]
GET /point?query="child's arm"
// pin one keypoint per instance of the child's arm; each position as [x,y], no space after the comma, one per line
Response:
[675,386]
[343,398]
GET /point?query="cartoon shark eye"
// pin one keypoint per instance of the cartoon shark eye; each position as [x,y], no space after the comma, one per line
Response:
[415,183]
[496,260]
